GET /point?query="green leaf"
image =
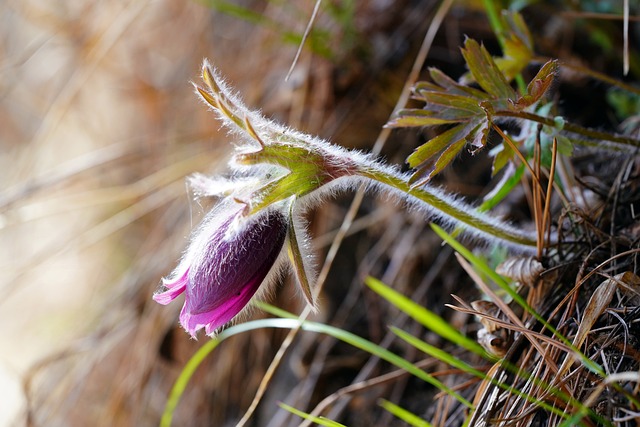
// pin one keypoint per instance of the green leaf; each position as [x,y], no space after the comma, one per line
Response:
[477,138]
[295,257]
[450,106]
[413,117]
[485,71]
[542,81]
[538,85]
[447,157]
[517,46]
[456,139]
[518,29]
[503,154]
[451,85]
[565,146]
[435,145]
[449,102]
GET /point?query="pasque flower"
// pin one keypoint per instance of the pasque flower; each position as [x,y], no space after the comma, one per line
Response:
[228,260]
[307,169]
[277,173]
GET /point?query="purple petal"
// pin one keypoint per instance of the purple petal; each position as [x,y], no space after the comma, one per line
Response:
[174,288]
[219,316]
[232,270]
[224,267]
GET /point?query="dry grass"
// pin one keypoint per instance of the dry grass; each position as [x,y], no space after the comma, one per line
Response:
[98,129]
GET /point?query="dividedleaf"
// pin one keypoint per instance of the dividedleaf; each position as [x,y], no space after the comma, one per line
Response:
[538,85]
[517,47]
[469,111]
[485,71]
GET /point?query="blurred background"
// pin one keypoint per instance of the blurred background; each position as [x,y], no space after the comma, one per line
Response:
[99,127]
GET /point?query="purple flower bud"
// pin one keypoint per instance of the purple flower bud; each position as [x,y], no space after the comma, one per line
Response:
[224,266]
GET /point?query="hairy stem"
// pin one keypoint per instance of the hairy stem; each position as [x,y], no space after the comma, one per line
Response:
[570,127]
[449,208]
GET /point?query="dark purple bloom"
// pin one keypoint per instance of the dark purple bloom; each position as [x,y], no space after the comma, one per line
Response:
[224,266]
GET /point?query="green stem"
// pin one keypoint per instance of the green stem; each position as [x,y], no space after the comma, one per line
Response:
[570,127]
[461,213]
[494,20]
[497,26]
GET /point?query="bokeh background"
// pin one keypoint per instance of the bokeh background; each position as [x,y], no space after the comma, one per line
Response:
[99,127]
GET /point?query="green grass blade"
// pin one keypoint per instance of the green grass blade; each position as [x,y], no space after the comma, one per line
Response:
[436,352]
[483,268]
[426,317]
[575,420]
[291,322]
[318,420]
[459,364]
[384,354]
[274,311]
[406,416]
[504,191]
[371,348]
[192,365]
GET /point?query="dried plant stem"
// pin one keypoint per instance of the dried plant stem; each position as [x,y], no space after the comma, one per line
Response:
[546,218]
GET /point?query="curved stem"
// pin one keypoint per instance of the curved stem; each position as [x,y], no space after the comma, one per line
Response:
[570,127]
[449,208]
